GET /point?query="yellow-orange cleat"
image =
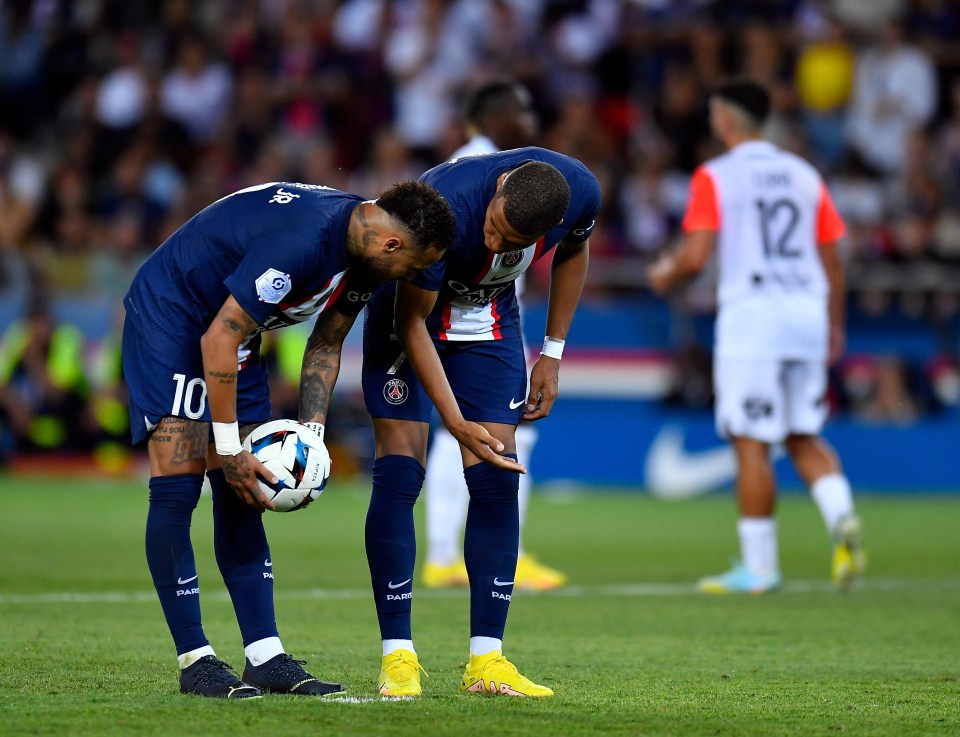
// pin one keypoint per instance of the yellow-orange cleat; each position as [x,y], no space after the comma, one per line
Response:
[532,575]
[436,576]
[400,674]
[494,675]
[849,558]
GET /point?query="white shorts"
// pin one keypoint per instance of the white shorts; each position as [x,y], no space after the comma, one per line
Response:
[769,399]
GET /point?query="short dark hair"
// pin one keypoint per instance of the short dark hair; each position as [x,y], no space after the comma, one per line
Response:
[491,95]
[749,96]
[536,197]
[423,211]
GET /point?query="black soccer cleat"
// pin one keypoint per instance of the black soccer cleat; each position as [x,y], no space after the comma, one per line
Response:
[213,678]
[285,675]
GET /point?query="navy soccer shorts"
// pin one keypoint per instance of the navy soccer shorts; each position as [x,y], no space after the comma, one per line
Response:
[162,384]
[488,377]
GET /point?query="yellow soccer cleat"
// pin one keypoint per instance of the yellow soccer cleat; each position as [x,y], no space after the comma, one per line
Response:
[534,576]
[436,576]
[849,558]
[400,674]
[494,675]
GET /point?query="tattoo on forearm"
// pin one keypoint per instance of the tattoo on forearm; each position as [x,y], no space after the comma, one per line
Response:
[234,326]
[223,377]
[314,395]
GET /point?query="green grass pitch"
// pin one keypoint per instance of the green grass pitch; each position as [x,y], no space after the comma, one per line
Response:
[629,648]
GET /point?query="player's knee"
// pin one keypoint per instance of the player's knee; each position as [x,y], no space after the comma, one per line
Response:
[488,482]
[398,476]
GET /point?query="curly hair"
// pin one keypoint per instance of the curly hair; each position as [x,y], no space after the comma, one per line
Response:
[536,197]
[423,211]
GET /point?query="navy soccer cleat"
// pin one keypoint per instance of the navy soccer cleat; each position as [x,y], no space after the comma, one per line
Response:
[284,674]
[213,678]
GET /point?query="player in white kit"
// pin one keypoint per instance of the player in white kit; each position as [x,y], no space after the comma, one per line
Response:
[499,116]
[780,324]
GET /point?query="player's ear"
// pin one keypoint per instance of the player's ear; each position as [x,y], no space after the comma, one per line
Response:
[392,244]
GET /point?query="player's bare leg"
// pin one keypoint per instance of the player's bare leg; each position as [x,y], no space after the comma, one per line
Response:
[759,571]
[817,464]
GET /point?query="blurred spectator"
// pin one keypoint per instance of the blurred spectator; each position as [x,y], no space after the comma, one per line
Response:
[43,389]
[894,93]
[824,80]
[22,181]
[195,93]
[886,397]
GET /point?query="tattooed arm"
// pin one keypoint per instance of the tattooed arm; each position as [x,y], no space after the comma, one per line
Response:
[219,347]
[321,364]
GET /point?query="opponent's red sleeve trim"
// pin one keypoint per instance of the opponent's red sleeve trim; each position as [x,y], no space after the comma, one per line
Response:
[703,207]
[830,226]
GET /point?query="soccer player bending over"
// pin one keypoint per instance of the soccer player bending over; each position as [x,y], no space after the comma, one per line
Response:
[499,115]
[458,346]
[780,323]
[262,258]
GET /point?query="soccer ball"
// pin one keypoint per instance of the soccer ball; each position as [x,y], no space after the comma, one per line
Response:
[297,456]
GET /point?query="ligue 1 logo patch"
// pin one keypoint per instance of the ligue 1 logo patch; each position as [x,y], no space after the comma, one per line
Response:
[511,259]
[396,391]
[273,285]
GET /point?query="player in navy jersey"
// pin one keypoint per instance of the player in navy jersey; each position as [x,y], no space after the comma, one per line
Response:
[458,346]
[259,259]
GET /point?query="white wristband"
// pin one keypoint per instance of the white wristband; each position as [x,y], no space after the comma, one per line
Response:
[316,427]
[226,438]
[552,347]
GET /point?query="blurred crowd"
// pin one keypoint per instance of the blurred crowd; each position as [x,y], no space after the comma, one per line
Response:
[119,120]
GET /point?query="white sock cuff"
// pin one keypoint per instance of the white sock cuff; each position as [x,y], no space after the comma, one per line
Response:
[390,645]
[188,659]
[484,645]
[833,497]
[261,651]
[756,525]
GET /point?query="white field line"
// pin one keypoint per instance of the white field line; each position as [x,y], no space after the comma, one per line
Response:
[613,590]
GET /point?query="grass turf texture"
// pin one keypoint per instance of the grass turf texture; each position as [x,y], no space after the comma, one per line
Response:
[84,651]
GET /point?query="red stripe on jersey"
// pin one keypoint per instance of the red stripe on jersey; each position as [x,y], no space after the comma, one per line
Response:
[336,292]
[495,328]
[488,262]
[445,321]
[287,305]
[539,252]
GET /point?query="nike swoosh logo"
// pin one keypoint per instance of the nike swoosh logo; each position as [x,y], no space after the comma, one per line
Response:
[498,582]
[268,562]
[672,472]
[514,405]
[392,585]
[504,277]
[182,581]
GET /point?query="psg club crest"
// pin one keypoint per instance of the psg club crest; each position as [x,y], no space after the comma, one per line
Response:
[511,259]
[396,391]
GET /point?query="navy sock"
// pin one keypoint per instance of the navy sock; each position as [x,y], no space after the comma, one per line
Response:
[243,555]
[490,543]
[170,557]
[392,542]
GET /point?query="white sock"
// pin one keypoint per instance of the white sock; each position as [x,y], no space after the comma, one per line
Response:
[484,645]
[446,493]
[261,651]
[188,659]
[390,645]
[526,439]
[758,544]
[833,497]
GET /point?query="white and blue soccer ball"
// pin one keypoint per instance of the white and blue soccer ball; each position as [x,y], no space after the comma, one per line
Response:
[298,458]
